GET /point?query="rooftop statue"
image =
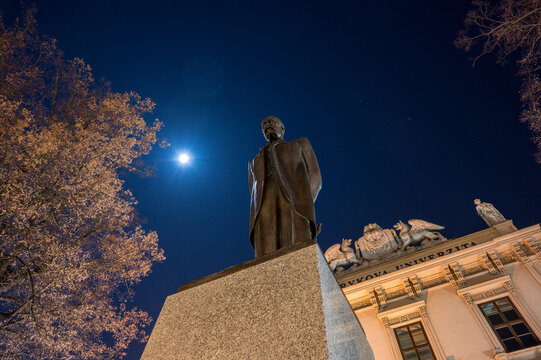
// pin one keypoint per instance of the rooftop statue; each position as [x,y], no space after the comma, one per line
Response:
[418,230]
[339,255]
[284,181]
[488,213]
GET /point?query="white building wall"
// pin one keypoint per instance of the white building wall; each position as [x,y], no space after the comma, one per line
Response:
[457,331]
[527,287]
[375,333]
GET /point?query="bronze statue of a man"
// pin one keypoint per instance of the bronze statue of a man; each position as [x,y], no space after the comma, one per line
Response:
[284,183]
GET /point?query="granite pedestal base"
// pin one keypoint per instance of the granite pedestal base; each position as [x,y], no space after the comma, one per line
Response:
[284,306]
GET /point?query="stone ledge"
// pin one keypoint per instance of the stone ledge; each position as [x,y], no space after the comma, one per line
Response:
[244,265]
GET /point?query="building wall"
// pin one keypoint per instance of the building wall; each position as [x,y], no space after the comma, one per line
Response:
[457,330]
[375,333]
[527,287]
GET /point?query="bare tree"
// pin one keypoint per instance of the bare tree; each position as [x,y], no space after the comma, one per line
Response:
[70,244]
[511,27]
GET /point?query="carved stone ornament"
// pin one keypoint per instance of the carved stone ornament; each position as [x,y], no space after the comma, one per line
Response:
[412,286]
[487,293]
[340,255]
[409,288]
[405,317]
[417,231]
[377,242]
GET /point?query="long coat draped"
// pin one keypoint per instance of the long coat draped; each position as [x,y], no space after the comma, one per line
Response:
[297,171]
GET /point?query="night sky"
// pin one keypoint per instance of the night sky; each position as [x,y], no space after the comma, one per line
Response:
[403,127]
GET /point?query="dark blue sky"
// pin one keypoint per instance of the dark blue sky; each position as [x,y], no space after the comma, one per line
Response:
[402,125]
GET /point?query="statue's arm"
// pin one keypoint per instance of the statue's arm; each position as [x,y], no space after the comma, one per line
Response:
[312,167]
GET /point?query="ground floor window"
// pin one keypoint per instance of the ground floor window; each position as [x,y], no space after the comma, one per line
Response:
[508,324]
[413,342]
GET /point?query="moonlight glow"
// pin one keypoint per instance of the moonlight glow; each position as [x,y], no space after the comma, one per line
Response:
[184,158]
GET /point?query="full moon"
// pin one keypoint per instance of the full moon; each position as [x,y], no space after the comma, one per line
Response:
[184,158]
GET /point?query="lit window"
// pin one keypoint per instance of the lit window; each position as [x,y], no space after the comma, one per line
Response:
[513,332]
[413,342]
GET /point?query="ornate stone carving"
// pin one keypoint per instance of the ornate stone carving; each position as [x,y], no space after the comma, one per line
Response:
[409,288]
[376,242]
[490,265]
[361,303]
[509,286]
[405,317]
[394,292]
[412,286]
[373,299]
[496,260]
[378,299]
[457,272]
[380,294]
[340,255]
[422,311]
[417,231]
[520,255]
[468,298]
[488,213]
[487,293]
[534,245]
[416,285]
[449,276]
[434,281]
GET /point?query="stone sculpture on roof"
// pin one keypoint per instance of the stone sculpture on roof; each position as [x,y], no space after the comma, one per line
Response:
[342,255]
[378,244]
[489,213]
[418,230]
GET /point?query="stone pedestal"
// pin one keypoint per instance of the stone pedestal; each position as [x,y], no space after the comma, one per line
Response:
[286,305]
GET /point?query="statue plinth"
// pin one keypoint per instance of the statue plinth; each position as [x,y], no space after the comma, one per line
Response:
[285,305]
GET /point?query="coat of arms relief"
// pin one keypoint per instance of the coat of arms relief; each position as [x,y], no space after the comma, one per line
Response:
[378,244]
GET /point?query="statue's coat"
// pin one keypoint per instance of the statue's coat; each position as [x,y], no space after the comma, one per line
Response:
[299,178]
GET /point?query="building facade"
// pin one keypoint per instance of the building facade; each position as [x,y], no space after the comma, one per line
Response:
[474,297]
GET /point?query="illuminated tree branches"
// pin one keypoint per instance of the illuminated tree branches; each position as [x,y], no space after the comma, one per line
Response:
[511,27]
[70,244]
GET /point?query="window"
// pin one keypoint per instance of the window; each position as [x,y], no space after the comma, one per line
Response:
[511,329]
[500,310]
[413,342]
[410,333]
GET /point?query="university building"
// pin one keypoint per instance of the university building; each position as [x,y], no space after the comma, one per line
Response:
[421,296]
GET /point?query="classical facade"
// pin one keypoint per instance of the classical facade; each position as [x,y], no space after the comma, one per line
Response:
[427,297]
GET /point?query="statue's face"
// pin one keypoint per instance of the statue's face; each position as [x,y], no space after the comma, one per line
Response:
[272,128]
[477,201]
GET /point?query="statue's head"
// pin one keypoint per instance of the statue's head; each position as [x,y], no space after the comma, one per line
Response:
[477,201]
[272,128]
